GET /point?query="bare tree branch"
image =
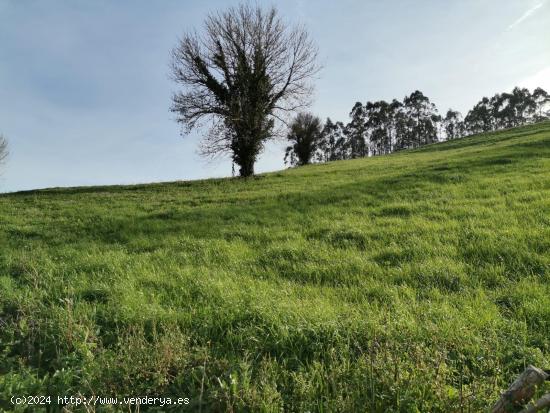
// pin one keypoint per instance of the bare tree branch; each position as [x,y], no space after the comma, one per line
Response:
[3,149]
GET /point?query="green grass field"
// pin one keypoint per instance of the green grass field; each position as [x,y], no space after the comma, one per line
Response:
[415,282]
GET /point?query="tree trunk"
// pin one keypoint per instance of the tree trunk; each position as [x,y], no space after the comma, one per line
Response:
[542,403]
[245,152]
[247,167]
[521,390]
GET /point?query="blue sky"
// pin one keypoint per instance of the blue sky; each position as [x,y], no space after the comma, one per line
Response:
[85,92]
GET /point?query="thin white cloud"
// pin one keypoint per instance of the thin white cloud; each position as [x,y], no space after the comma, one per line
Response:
[527,14]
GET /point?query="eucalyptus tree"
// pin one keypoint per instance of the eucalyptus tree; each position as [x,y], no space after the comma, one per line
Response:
[356,132]
[399,125]
[379,123]
[513,109]
[305,137]
[480,118]
[507,110]
[422,120]
[542,102]
[453,124]
[243,73]
[524,106]
[333,144]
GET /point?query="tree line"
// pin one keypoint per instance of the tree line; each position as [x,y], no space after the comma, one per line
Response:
[378,128]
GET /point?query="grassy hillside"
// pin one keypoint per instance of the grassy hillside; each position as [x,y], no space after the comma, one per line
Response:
[414,282]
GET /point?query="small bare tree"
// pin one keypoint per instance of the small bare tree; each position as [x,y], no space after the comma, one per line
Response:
[246,71]
[3,149]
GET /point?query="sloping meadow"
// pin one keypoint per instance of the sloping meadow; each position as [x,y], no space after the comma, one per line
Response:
[418,281]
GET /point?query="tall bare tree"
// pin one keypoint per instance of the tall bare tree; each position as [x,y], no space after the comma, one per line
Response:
[246,70]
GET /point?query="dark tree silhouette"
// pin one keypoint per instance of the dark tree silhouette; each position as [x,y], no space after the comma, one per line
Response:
[333,143]
[421,121]
[379,123]
[378,128]
[480,118]
[245,71]
[542,102]
[453,124]
[508,110]
[356,132]
[305,136]
[513,109]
